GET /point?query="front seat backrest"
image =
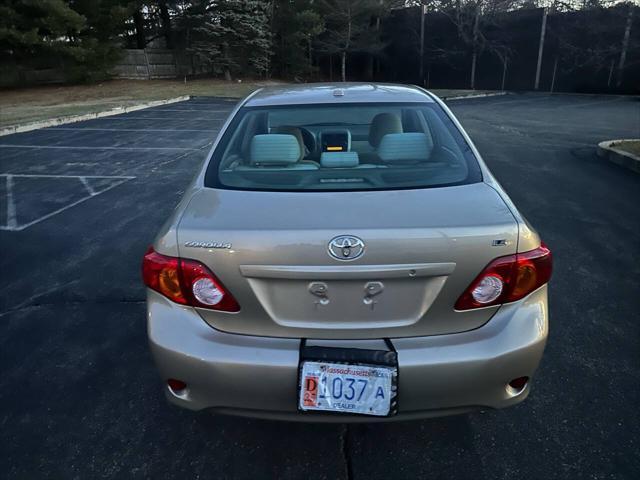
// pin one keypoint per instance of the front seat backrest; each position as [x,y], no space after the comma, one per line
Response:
[405,147]
[274,149]
[383,124]
[296,132]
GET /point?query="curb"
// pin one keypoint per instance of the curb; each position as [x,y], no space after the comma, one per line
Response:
[619,157]
[87,116]
[475,95]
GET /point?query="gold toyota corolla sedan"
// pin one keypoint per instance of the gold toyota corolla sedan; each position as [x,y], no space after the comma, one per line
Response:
[345,255]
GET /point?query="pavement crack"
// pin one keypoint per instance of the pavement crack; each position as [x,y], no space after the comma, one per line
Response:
[344,448]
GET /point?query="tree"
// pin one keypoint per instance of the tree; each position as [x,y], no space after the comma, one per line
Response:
[78,37]
[31,29]
[593,39]
[625,45]
[101,36]
[233,36]
[349,28]
[138,23]
[295,25]
[165,18]
[477,23]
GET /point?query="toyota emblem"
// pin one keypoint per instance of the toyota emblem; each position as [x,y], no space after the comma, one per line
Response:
[346,247]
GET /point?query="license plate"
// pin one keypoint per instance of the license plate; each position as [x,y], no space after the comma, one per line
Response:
[355,389]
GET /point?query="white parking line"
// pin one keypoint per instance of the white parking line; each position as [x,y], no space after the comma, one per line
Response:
[191,110]
[11,206]
[91,191]
[69,147]
[157,166]
[589,104]
[87,116]
[132,129]
[512,101]
[12,223]
[208,119]
[36,175]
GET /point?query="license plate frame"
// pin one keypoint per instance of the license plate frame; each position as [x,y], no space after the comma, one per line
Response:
[386,361]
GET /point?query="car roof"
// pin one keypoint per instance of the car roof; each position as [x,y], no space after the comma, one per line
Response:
[337,93]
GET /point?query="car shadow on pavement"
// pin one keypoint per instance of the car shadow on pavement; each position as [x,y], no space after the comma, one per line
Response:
[274,449]
[413,449]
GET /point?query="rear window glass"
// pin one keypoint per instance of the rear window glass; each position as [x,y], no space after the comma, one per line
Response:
[383,146]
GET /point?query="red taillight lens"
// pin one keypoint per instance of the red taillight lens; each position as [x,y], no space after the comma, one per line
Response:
[187,282]
[518,383]
[507,279]
[176,385]
[162,274]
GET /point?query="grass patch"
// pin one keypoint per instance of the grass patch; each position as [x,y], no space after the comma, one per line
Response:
[629,146]
[19,106]
[26,105]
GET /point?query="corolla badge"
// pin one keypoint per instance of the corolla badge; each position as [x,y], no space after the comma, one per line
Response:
[346,247]
[207,244]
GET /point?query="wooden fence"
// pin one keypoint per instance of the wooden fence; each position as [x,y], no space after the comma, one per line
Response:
[151,63]
[143,64]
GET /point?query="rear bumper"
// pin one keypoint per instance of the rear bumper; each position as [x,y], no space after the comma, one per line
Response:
[438,375]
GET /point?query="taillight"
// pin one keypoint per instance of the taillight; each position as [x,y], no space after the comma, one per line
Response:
[203,289]
[187,282]
[162,274]
[507,279]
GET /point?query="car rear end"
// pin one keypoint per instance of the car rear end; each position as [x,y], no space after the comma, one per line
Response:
[346,258]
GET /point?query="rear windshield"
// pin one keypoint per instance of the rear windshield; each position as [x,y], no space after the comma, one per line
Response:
[383,146]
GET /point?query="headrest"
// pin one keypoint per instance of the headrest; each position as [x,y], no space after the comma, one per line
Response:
[339,159]
[274,149]
[291,130]
[398,147]
[383,124]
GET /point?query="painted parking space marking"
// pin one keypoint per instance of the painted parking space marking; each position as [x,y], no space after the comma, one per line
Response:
[70,147]
[509,101]
[69,167]
[45,208]
[11,206]
[594,102]
[91,129]
[227,110]
[164,119]
[91,191]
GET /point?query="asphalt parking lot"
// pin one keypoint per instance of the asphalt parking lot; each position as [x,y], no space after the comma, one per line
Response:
[79,395]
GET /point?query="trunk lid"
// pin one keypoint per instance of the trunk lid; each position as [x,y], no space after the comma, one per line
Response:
[422,248]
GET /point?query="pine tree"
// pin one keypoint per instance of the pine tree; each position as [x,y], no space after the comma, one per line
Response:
[32,29]
[232,36]
[101,36]
[296,26]
[77,37]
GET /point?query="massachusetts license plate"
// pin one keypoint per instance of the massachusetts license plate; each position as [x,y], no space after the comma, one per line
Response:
[355,389]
